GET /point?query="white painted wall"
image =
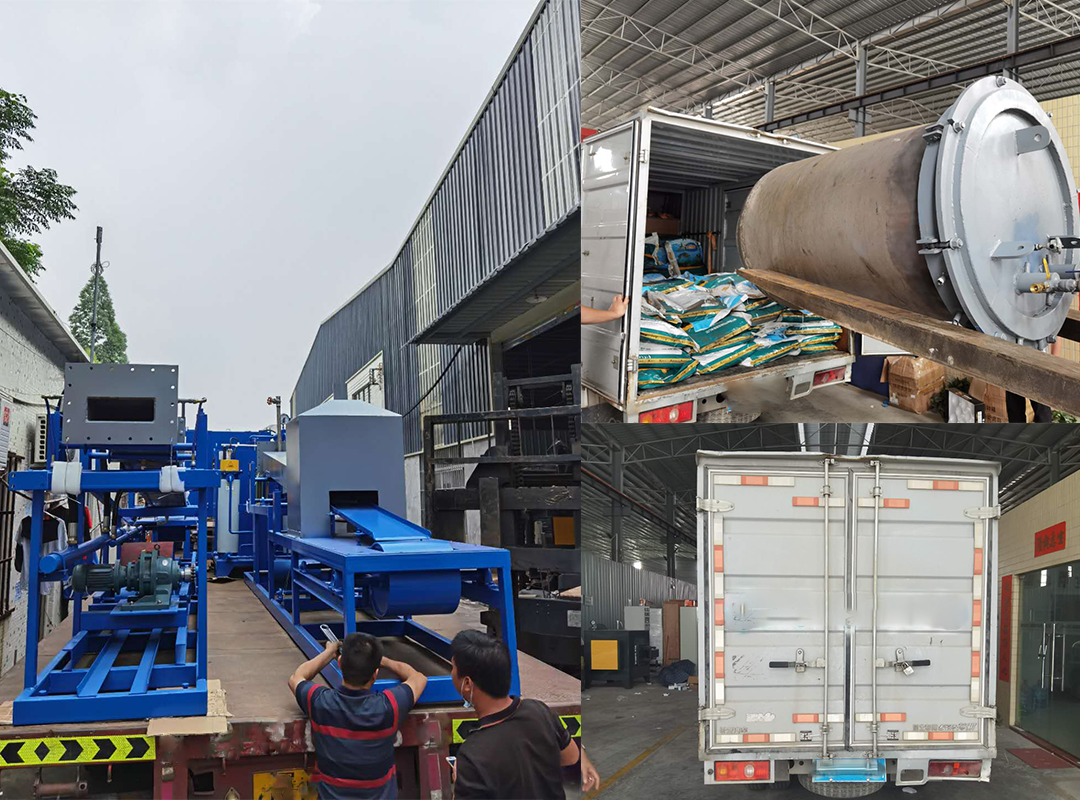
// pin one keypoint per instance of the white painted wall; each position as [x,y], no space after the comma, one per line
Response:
[30,366]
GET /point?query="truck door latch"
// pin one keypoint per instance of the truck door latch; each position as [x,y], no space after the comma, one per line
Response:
[902,664]
[798,664]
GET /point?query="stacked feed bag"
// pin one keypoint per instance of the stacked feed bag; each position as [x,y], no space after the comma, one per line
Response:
[700,325]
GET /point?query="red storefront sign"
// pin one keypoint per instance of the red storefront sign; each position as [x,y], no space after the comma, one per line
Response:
[1005,629]
[1050,540]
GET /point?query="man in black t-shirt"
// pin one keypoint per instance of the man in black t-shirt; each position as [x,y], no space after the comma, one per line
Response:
[518,748]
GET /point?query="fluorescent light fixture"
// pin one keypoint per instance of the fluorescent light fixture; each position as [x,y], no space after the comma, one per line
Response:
[637,565]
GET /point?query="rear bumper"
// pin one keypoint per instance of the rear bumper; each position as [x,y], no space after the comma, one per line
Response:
[902,769]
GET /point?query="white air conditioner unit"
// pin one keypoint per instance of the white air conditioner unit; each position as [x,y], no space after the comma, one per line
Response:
[40,438]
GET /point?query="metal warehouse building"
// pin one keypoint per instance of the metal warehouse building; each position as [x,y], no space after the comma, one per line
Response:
[487,280]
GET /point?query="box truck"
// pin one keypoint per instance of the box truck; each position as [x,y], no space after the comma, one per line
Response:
[698,173]
[899,685]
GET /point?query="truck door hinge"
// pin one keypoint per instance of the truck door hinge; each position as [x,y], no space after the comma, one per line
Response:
[715,506]
[643,156]
[983,512]
[980,712]
[631,363]
[716,713]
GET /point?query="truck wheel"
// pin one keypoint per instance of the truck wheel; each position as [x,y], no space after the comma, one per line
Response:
[838,789]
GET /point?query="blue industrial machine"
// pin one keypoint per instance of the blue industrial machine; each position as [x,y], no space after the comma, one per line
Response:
[118,433]
[235,455]
[330,535]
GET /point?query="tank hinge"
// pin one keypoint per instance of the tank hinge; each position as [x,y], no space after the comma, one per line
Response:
[716,713]
[983,512]
[715,506]
[934,246]
[980,712]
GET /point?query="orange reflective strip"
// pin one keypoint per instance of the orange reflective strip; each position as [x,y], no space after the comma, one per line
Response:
[978,561]
[976,614]
[804,717]
[755,480]
[896,502]
[940,736]
[718,558]
[755,737]
[718,611]
[805,501]
[976,662]
[718,665]
[895,717]
[947,486]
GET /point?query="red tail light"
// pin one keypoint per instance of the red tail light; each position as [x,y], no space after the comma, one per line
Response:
[741,770]
[955,769]
[683,412]
[829,376]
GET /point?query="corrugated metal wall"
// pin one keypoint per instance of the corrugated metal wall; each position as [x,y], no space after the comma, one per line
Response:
[607,587]
[514,177]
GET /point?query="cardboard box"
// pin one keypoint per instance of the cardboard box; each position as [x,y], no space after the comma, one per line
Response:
[662,226]
[671,641]
[993,400]
[912,381]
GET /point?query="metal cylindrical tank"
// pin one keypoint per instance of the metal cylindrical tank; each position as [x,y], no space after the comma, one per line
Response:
[945,221]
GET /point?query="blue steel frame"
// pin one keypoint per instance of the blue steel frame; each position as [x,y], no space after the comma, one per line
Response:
[64,691]
[310,589]
[244,450]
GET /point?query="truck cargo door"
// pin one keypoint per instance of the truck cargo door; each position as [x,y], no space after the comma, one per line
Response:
[762,603]
[609,174]
[933,570]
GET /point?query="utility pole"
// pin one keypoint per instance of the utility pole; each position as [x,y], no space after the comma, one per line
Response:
[96,270]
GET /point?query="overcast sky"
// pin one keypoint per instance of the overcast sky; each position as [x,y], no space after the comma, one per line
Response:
[252,163]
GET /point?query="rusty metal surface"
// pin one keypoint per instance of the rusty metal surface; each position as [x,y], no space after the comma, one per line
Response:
[1023,370]
[846,220]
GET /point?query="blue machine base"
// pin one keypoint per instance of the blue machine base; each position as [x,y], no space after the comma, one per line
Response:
[46,709]
[440,688]
[226,563]
[849,770]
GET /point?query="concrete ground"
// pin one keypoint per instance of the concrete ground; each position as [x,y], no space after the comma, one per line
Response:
[644,744]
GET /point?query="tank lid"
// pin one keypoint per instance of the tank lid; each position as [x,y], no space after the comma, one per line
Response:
[995,188]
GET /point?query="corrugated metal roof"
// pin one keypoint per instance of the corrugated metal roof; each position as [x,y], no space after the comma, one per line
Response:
[731,39]
[541,270]
[17,284]
[662,458]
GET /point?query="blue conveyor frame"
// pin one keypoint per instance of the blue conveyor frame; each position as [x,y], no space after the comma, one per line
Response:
[326,570]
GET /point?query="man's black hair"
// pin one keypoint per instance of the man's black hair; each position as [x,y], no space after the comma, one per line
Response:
[361,654]
[483,658]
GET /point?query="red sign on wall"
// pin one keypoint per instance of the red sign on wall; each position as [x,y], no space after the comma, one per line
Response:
[1005,629]
[1050,540]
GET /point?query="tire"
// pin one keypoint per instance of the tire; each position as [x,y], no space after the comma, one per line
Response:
[839,789]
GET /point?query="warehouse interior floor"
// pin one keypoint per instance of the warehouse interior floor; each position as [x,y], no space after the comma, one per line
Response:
[643,742]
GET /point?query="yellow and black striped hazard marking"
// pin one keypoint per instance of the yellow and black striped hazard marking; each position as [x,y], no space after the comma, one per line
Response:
[463,727]
[75,750]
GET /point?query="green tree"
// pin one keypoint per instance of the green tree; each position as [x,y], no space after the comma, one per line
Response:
[30,199]
[110,342]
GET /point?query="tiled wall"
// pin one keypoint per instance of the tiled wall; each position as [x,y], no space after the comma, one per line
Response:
[1016,555]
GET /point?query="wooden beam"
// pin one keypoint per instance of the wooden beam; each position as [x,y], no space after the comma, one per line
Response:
[1023,370]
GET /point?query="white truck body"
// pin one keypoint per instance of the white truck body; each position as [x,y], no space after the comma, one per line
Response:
[712,165]
[762,547]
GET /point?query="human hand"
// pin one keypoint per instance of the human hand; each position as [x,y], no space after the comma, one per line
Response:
[332,647]
[590,778]
[618,304]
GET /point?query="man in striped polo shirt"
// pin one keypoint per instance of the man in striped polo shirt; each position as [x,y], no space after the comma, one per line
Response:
[353,728]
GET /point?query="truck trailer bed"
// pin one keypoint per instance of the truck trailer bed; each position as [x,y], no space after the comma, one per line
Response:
[253,657]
